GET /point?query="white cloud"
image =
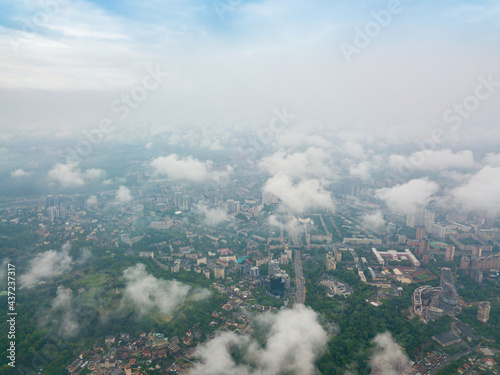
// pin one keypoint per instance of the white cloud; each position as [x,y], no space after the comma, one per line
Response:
[147,292]
[492,159]
[213,216]
[299,197]
[310,163]
[70,175]
[286,222]
[189,169]
[354,150]
[94,174]
[293,340]
[298,136]
[123,195]
[389,358]
[63,303]
[374,222]
[19,173]
[408,197]
[361,170]
[91,201]
[85,255]
[67,175]
[149,145]
[46,265]
[481,192]
[454,176]
[430,160]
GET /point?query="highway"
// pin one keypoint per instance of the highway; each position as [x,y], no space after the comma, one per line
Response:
[300,281]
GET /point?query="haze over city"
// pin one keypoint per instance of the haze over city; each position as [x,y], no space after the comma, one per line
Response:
[250,187]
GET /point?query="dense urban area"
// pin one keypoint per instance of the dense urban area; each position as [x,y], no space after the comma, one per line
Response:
[136,279]
[249,187]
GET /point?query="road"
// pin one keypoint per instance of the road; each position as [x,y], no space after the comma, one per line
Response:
[300,281]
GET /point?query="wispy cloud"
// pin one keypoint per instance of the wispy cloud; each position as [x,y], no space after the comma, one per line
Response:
[48,264]
[147,292]
[293,339]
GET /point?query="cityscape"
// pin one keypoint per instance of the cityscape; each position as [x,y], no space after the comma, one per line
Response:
[258,187]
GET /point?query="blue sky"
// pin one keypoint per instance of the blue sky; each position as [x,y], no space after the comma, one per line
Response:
[248,59]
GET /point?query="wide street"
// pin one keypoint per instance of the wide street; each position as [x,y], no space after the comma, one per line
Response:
[300,281]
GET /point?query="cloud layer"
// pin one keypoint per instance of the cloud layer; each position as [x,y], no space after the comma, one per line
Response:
[46,265]
[146,292]
[374,222]
[70,175]
[300,197]
[213,216]
[188,168]
[63,303]
[481,192]
[388,358]
[408,197]
[311,163]
[292,342]
[123,195]
[431,160]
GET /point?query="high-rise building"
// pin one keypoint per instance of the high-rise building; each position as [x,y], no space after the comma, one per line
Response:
[338,254]
[450,253]
[49,201]
[273,267]
[428,220]
[53,213]
[60,200]
[284,259]
[446,277]
[331,262]
[254,272]
[483,313]
[186,202]
[487,263]
[477,252]
[78,202]
[476,275]
[420,233]
[421,218]
[218,272]
[285,279]
[464,263]
[425,258]
[244,268]
[177,199]
[63,211]
[277,285]
[268,198]
[448,294]
[422,246]
[349,187]
[233,206]
[439,231]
